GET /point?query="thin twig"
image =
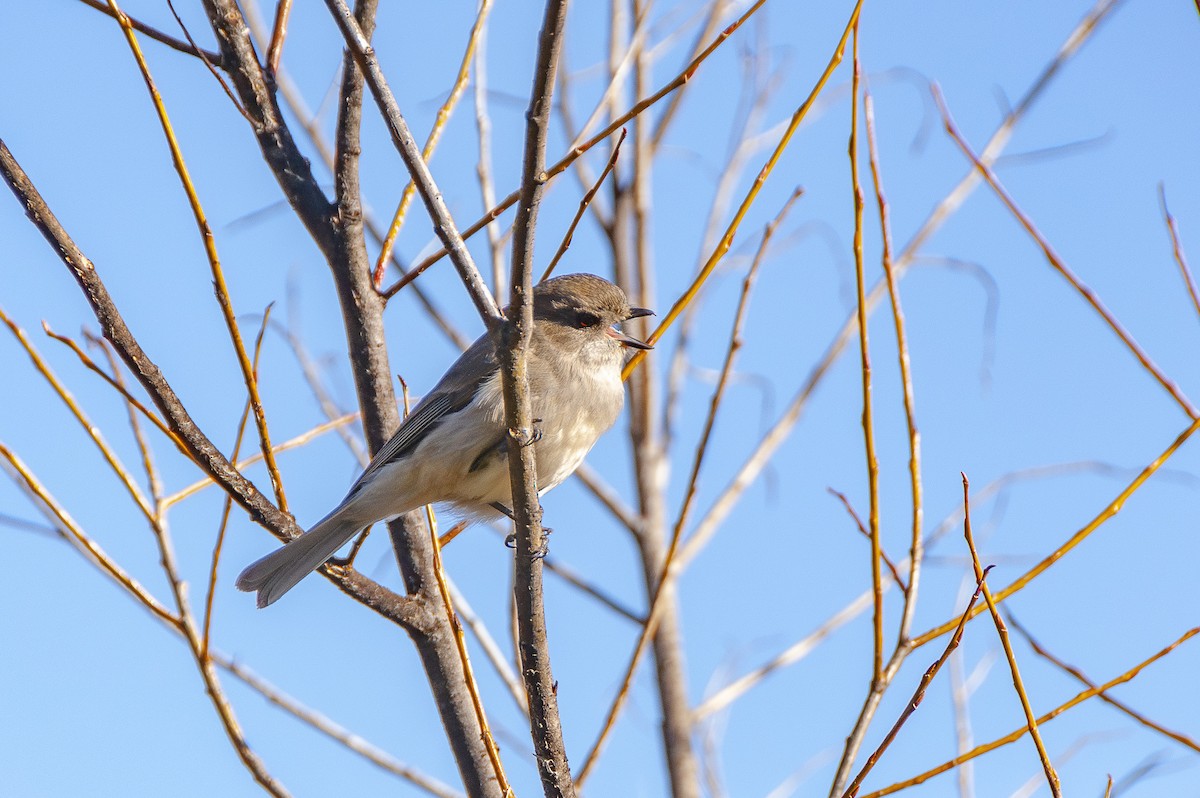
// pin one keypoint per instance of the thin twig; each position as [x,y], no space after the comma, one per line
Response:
[214,261]
[468,617]
[164,38]
[1002,630]
[82,541]
[292,443]
[460,643]
[1106,514]
[406,145]
[1017,734]
[862,528]
[129,398]
[227,505]
[153,478]
[278,34]
[1057,262]
[1177,248]
[868,424]
[1041,651]
[110,456]
[583,204]
[483,168]
[916,550]
[919,694]
[332,730]
[211,66]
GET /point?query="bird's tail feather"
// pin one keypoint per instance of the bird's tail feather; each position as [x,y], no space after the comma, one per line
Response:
[282,569]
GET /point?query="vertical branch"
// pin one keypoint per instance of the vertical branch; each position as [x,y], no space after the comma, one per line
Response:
[362,309]
[487,188]
[227,504]
[512,339]
[278,34]
[865,355]
[916,547]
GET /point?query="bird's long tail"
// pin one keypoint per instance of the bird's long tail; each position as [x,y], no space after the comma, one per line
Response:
[282,569]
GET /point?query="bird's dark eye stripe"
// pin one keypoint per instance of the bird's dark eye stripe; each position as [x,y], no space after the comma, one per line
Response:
[585,319]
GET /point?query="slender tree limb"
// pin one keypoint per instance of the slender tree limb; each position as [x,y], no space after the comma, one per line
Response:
[1057,262]
[864,348]
[512,345]
[221,289]
[398,609]
[1002,630]
[187,48]
[1185,271]
[431,141]
[1121,706]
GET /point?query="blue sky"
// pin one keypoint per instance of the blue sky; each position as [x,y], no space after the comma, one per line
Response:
[1012,371]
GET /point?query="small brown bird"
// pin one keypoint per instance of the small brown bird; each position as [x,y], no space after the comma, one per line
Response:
[452,448]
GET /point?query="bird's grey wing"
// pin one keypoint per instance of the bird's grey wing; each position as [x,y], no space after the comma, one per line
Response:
[454,391]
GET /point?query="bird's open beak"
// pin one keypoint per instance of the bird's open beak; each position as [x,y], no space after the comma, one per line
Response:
[626,340]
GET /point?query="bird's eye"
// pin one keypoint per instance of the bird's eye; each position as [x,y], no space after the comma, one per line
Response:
[585,320]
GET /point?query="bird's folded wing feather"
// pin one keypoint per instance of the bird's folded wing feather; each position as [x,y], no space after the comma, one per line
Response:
[454,391]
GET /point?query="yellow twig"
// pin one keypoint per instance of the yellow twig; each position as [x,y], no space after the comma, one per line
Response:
[489,742]
[116,384]
[916,546]
[228,503]
[1041,651]
[1018,684]
[278,34]
[93,432]
[210,248]
[1177,249]
[153,478]
[96,554]
[293,443]
[862,528]
[864,349]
